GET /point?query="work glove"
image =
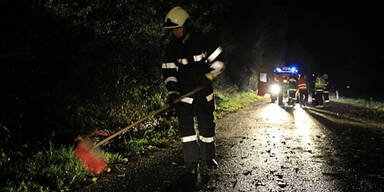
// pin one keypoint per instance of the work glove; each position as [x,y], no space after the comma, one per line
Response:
[172,97]
[209,76]
[217,67]
[206,80]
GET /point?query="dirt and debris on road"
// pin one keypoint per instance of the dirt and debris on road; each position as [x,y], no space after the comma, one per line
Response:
[264,147]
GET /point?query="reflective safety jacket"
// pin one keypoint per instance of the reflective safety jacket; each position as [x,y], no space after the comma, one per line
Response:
[184,66]
[319,83]
[302,83]
[292,83]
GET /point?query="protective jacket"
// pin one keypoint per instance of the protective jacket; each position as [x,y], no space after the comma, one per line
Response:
[319,83]
[292,83]
[302,84]
[185,65]
[184,68]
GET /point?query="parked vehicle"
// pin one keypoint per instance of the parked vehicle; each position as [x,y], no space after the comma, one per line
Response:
[284,86]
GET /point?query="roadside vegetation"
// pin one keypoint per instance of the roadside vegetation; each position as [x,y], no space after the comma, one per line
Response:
[359,109]
[231,101]
[96,65]
[50,168]
[378,105]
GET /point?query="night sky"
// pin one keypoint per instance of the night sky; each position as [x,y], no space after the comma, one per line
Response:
[341,38]
[344,40]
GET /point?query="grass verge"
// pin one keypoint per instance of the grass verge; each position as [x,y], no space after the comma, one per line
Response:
[49,169]
[361,103]
[56,168]
[229,102]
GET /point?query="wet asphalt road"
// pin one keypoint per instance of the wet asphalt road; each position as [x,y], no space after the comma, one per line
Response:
[268,148]
[264,147]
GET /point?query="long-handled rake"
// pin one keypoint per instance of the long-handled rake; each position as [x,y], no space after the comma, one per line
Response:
[91,156]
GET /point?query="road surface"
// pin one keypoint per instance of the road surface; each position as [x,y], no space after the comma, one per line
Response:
[264,147]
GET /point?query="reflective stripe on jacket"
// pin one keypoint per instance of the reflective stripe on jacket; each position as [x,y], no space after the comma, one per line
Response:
[184,65]
[302,84]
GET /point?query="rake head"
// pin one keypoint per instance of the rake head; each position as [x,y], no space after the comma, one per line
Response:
[90,157]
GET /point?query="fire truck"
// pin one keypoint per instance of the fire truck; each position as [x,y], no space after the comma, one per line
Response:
[281,85]
[284,85]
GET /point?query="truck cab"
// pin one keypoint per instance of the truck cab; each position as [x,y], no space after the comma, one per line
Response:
[283,86]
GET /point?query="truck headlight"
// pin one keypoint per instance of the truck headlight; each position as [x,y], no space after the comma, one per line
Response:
[275,89]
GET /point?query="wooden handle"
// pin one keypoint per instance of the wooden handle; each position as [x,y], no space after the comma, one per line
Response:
[147,117]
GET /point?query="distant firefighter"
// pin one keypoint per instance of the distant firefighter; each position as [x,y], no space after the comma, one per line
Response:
[326,89]
[319,89]
[291,89]
[302,89]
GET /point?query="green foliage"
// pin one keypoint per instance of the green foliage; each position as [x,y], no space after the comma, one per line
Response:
[115,158]
[156,138]
[140,101]
[169,125]
[136,146]
[24,186]
[90,115]
[229,102]
[151,139]
[3,158]
[96,64]
[47,169]
[58,167]
[154,134]
[362,103]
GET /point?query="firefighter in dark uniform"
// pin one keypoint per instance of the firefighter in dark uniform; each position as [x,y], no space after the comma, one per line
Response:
[291,89]
[326,89]
[192,60]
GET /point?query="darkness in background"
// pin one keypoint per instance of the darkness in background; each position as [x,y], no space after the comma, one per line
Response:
[341,38]
[345,40]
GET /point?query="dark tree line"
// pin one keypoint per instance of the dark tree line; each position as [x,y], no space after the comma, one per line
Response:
[71,66]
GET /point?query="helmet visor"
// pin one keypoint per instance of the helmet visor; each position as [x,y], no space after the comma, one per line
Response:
[170,25]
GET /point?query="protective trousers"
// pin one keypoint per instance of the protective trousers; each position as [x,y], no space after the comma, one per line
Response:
[303,94]
[319,96]
[201,146]
[292,94]
[326,95]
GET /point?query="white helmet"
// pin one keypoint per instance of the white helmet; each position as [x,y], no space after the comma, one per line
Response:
[175,18]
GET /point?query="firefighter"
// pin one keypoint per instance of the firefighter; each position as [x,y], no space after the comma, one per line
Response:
[291,89]
[326,88]
[302,88]
[282,80]
[319,88]
[192,60]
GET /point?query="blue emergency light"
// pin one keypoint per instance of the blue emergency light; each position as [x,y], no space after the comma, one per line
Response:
[294,70]
[277,70]
[289,70]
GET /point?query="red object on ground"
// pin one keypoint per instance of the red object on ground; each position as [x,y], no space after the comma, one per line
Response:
[91,159]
